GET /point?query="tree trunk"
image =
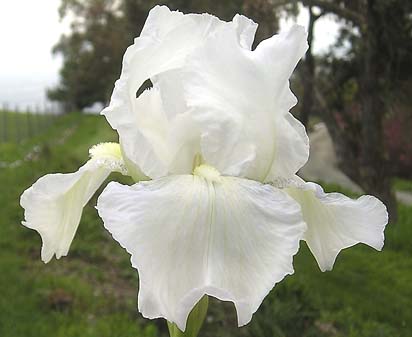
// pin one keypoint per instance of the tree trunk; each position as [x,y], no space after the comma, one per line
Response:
[308,74]
[374,171]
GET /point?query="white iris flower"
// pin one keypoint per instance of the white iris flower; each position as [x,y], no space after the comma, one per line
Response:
[221,211]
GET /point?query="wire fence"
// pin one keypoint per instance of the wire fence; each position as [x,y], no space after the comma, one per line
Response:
[18,125]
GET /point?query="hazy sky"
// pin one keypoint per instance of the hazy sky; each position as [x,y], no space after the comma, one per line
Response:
[28,31]
[30,28]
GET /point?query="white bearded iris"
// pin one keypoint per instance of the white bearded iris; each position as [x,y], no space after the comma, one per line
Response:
[222,211]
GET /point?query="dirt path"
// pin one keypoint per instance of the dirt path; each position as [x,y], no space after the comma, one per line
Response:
[322,164]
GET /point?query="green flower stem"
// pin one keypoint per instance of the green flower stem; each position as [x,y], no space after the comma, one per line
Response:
[194,321]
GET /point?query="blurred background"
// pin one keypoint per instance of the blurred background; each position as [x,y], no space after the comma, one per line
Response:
[58,64]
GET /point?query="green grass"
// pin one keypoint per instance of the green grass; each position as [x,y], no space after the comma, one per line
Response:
[402,185]
[89,294]
[92,292]
[16,127]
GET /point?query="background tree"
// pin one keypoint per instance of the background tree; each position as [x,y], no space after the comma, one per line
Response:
[358,84]
[91,53]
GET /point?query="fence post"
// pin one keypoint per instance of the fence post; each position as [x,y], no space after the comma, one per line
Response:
[18,120]
[29,123]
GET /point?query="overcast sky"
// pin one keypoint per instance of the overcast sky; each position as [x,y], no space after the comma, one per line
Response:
[30,28]
[28,31]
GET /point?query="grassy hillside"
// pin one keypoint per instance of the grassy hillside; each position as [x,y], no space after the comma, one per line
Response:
[92,292]
[19,126]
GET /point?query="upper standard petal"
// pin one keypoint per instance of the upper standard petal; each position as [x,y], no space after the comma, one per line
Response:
[167,39]
[241,100]
[191,235]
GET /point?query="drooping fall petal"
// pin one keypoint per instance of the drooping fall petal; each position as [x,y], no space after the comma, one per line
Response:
[191,235]
[336,222]
[54,204]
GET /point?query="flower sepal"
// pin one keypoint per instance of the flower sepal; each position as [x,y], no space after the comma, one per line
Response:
[194,321]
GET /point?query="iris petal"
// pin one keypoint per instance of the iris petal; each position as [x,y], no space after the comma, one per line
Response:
[336,222]
[166,41]
[230,238]
[241,100]
[54,204]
